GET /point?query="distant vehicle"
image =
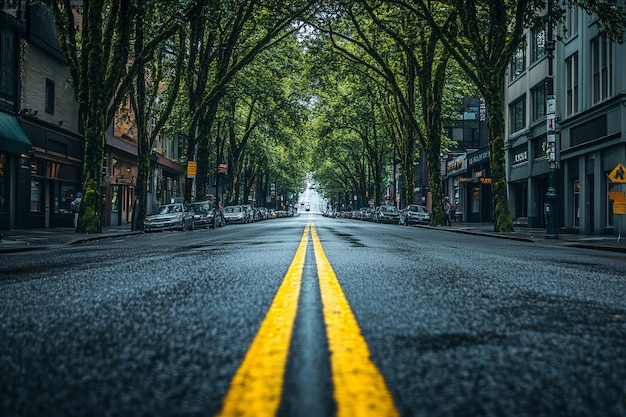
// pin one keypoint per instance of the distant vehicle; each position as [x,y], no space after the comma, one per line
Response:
[414,214]
[169,217]
[386,214]
[307,207]
[206,215]
[236,214]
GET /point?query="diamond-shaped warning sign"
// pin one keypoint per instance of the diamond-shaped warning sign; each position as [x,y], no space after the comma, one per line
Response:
[618,174]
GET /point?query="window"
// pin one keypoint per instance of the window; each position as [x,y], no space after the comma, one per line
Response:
[538,49]
[571,84]
[36,189]
[518,62]
[571,21]
[602,67]
[517,112]
[539,101]
[4,183]
[49,96]
[8,69]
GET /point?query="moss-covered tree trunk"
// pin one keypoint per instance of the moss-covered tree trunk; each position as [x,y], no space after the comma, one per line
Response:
[502,221]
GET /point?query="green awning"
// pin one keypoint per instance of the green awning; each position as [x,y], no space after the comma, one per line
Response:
[12,137]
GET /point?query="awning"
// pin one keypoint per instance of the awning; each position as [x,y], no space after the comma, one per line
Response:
[12,137]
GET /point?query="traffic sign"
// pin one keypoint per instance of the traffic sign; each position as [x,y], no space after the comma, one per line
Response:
[618,174]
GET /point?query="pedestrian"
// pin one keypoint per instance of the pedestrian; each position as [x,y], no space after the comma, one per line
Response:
[453,207]
[75,206]
[447,208]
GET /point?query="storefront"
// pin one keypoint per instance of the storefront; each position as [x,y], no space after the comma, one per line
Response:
[456,185]
[14,157]
[479,198]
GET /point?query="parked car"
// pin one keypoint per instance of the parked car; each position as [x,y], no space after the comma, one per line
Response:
[236,214]
[169,217]
[264,213]
[253,213]
[366,214]
[414,214]
[206,215]
[386,214]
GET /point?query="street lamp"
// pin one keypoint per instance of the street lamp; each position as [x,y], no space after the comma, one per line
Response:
[551,196]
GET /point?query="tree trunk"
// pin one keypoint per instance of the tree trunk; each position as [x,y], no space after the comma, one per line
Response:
[502,221]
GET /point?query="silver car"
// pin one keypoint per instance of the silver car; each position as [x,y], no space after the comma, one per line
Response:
[236,214]
[414,214]
[169,217]
[386,214]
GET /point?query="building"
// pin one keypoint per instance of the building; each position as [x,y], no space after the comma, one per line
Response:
[41,146]
[590,114]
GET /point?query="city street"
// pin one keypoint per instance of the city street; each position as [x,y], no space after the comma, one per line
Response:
[312,316]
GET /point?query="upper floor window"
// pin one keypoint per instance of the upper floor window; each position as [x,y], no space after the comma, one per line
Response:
[538,47]
[571,21]
[538,94]
[49,96]
[601,68]
[518,61]
[571,84]
[517,114]
[8,67]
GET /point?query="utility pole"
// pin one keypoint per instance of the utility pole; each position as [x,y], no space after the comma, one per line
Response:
[551,195]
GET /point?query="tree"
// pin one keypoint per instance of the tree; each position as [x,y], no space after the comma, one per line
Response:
[95,39]
[491,32]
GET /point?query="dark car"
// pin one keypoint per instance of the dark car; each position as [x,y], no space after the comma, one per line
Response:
[169,217]
[386,214]
[206,215]
[414,214]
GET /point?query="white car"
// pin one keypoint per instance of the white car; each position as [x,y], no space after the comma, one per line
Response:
[169,217]
[414,214]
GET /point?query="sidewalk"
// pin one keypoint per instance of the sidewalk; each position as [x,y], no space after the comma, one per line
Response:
[534,235]
[18,240]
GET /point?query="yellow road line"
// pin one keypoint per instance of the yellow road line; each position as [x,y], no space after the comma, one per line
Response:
[360,389]
[256,387]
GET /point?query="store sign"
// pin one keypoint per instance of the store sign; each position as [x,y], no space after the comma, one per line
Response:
[479,157]
[520,157]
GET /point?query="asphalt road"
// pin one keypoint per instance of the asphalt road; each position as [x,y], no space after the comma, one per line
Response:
[163,324]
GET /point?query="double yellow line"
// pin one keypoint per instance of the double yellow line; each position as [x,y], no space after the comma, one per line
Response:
[359,388]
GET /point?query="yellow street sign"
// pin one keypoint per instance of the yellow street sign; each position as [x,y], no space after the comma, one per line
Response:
[618,174]
[191,169]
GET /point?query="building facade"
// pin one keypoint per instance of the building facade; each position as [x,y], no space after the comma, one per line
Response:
[590,114]
[42,177]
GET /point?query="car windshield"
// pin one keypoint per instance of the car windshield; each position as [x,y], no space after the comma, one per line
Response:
[390,209]
[167,209]
[232,209]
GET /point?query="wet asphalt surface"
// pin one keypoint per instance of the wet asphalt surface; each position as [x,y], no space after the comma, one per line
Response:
[459,325]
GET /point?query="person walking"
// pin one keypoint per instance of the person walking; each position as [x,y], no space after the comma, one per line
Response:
[75,206]
[447,208]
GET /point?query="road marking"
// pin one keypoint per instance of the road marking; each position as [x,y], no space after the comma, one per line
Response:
[256,387]
[360,389]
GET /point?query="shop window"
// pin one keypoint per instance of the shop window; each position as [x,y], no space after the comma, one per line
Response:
[475,200]
[36,196]
[63,197]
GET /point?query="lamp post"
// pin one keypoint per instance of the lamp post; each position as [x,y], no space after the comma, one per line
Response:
[551,195]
